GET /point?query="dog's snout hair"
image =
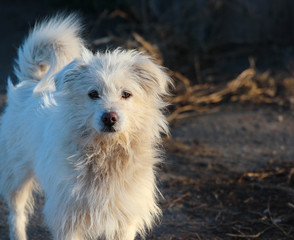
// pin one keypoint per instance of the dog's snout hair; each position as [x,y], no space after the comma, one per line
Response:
[88,127]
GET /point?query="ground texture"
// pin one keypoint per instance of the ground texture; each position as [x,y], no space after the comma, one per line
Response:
[228,174]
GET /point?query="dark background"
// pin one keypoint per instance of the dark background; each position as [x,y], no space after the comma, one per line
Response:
[219,35]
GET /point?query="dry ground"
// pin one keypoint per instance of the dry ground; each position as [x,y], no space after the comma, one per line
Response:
[228,174]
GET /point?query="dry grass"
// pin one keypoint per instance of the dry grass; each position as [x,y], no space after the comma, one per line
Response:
[189,98]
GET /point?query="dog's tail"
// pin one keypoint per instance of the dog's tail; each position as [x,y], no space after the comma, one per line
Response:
[50,45]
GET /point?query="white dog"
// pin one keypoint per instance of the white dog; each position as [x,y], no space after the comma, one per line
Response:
[87,127]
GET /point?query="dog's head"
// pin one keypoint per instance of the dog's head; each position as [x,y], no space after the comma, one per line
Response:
[114,92]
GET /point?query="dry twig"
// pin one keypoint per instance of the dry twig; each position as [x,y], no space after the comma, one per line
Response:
[194,97]
[288,190]
[176,200]
[153,51]
[194,233]
[257,235]
[289,177]
[262,175]
[272,220]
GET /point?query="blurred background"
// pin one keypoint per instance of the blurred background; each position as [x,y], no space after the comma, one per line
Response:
[229,167]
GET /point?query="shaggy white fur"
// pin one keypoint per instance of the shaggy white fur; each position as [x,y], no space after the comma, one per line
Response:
[87,128]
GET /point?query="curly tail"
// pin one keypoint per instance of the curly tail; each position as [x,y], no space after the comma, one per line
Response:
[50,46]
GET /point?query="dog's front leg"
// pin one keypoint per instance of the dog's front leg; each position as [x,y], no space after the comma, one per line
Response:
[61,234]
[59,220]
[21,205]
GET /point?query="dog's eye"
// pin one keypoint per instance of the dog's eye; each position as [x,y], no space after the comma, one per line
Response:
[93,94]
[125,94]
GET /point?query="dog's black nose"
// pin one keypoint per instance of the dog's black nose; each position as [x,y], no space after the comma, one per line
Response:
[109,118]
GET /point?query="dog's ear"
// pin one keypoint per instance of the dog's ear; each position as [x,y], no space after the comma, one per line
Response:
[70,72]
[73,69]
[152,77]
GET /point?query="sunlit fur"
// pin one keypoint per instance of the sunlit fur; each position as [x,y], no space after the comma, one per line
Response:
[96,183]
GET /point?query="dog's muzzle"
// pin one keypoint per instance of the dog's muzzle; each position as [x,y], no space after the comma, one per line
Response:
[109,119]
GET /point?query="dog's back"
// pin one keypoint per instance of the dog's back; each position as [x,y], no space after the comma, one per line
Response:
[49,47]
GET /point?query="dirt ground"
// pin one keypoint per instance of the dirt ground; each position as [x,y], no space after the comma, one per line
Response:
[228,174]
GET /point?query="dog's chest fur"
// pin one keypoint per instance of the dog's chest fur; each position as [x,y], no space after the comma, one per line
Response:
[114,180]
